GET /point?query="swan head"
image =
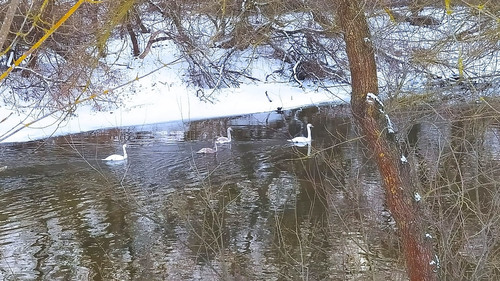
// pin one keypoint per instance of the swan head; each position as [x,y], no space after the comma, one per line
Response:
[310,125]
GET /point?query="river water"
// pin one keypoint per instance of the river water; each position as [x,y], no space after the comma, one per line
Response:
[258,209]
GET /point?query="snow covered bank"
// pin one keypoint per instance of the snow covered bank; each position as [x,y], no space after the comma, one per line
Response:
[154,90]
[156,102]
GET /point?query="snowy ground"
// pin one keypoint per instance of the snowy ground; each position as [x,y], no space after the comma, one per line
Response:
[151,100]
[153,90]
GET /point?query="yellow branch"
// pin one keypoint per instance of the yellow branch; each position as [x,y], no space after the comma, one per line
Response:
[391,16]
[447,4]
[41,40]
[460,67]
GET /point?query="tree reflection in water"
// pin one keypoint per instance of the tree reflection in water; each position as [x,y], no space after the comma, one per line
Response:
[259,210]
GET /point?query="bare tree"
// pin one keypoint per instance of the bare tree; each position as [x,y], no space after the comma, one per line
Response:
[377,129]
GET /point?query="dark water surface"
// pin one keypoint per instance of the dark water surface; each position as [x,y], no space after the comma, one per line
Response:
[257,210]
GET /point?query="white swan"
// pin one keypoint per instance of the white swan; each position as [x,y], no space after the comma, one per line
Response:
[208,150]
[116,157]
[225,139]
[303,140]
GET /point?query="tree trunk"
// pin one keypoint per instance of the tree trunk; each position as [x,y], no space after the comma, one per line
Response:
[7,21]
[135,44]
[370,117]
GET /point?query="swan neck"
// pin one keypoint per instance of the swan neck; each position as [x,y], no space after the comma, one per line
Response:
[124,152]
[308,133]
[229,134]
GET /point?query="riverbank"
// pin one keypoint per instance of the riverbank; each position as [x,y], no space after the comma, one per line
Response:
[153,101]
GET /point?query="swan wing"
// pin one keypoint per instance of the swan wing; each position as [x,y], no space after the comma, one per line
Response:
[203,150]
[222,140]
[114,157]
[299,140]
[301,144]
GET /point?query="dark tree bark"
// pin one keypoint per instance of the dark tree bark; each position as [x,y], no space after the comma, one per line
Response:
[135,44]
[370,117]
[133,20]
[138,21]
